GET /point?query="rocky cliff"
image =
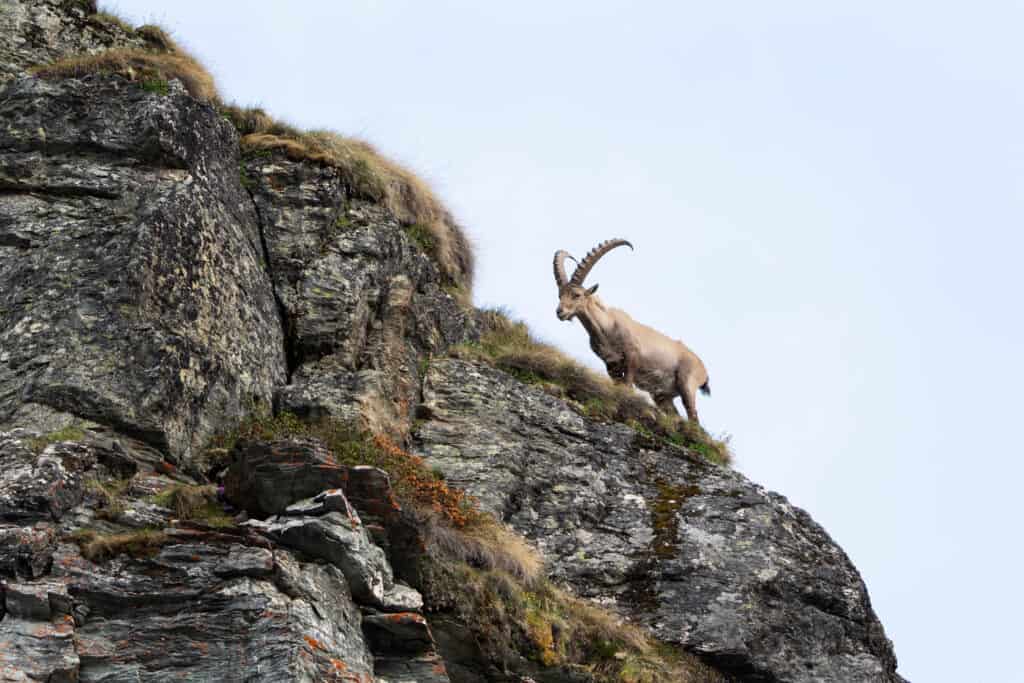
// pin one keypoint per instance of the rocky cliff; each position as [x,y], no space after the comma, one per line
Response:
[249,429]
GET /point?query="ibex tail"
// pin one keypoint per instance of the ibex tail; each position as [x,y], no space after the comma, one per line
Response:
[706,388]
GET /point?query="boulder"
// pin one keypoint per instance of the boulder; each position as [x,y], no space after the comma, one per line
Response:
[341,540]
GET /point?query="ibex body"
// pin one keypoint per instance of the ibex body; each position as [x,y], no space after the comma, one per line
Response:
[633,353]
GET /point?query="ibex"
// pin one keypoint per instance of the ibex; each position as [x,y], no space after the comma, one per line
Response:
[634,354]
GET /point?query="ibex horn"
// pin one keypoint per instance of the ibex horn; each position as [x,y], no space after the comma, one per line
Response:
[560,277]
[591,259]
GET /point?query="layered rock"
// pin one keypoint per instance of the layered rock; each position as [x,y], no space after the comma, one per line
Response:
[699,554]
[180,600]
[133,291]
[40,31]
[362,301]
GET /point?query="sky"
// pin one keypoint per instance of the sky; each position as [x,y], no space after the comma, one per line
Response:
[826,201]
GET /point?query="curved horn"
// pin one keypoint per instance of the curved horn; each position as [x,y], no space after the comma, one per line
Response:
[591,259]
[560,277]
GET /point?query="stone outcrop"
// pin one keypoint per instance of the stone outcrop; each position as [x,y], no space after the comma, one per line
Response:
[363,303]
[177,600]
[157,285]
[699,554]
[133,291]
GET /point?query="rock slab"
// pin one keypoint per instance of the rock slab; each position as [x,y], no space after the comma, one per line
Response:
[699,554]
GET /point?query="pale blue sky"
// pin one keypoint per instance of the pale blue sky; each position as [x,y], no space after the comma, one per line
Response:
[826,200]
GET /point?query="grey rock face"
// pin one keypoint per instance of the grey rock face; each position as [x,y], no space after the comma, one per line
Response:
[407,639]
[26,551]
[698,553]
[341,540]
[41,31]
[132,286]
[265,478]
[363,304]
[200,604]
[212,612]
[40,486]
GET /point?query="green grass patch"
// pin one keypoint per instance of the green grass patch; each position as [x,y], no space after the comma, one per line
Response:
[69,433]
[422,238]
[156,85]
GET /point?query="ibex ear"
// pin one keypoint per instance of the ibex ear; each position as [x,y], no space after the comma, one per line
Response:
[592,290]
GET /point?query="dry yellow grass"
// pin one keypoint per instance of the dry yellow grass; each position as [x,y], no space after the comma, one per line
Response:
[374,176]
[142,66]
[158,38]
[100,548]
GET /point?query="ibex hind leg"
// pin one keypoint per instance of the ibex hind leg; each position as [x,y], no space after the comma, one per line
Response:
[687,389]
[667,405]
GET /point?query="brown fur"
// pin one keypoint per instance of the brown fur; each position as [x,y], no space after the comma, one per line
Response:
[634,354]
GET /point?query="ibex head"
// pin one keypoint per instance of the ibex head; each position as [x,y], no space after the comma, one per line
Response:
[572,295]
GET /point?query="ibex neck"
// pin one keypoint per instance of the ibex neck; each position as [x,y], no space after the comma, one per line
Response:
[595,318]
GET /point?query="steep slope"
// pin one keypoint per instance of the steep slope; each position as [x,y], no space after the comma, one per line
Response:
[161,283]
[696,552]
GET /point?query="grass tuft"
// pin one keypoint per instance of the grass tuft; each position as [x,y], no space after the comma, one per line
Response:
[108,19]
[510,346]
[195,503]
[141,66]
[158,39]
[110,494]
[142,543]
